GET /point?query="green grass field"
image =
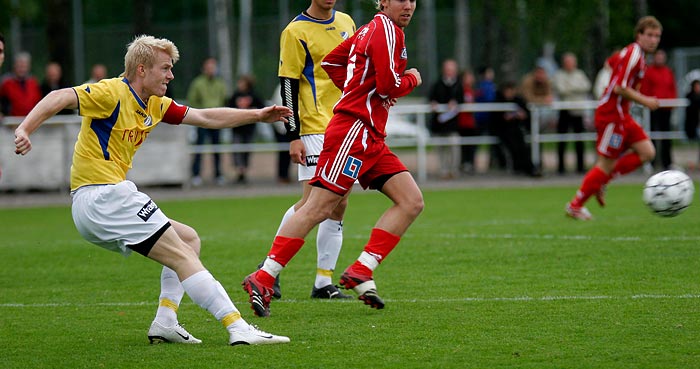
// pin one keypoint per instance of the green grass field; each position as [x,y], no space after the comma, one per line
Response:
[486,278]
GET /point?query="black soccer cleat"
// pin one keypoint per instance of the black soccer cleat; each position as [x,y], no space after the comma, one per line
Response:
[329,292]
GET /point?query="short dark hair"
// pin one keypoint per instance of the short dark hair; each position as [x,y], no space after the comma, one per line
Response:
[2,38]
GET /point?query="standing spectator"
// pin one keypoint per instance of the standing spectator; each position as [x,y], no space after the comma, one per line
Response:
[602,79]
[311,94]
[98,72]
[466,123]
[370,67]
[692,111]
[486,93]
[109,211]
[571,84]
[20,91]
[447,90]
[536,87]
[659,82]
[2,60]
[510,127]
[244,97]
[207,91]
[53,80]
[284,161]
[622,144]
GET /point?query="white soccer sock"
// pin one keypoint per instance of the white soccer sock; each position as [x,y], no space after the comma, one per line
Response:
[286,216]
[171,293]
[208,293]
[329,240]
[272,267]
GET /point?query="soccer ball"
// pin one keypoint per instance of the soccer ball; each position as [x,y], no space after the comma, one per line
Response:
[668,193]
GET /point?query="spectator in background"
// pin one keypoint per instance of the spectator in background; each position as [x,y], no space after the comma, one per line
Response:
[510,128]
[486,93]
[98,72]
[244,97]
[570,84]
[280,132]
[466,123]
[602,79]
[660,82]
[207,91]
[692,111]
[536,87]
[53,80]
[447,90]
[20,92]
[2,60]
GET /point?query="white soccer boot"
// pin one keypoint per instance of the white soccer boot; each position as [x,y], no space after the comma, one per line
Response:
[175,334]
[253,336]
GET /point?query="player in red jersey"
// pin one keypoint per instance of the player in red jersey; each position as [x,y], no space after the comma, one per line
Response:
[622,144]
[370,69]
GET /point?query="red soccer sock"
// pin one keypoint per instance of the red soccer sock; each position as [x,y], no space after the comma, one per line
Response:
[284,248]
[282,251]
[380,244]
[626,164]
[594,180]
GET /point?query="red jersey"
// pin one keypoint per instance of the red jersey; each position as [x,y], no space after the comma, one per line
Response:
[22,95]
[628,67]
[659,82]
[369,68]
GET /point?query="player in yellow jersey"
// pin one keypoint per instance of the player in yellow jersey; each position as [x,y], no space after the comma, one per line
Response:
[307,90]
[109,211]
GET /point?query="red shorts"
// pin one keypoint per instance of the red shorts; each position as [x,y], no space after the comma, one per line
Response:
[616,137]
[350,153]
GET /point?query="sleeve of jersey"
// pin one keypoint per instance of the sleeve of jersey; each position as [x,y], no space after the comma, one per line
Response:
[292,55]
[96,100]
[381,50]
[630,66]
[175,113]
[336,62]
[289,89]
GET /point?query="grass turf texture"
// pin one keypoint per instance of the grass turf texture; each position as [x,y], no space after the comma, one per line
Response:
[486,278]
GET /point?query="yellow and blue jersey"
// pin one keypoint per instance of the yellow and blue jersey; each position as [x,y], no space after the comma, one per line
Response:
[303,45]
[115,123]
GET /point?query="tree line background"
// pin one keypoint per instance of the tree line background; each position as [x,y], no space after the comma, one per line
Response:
[509,35]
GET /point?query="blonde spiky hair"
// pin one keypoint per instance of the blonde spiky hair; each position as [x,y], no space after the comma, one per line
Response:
[143,51]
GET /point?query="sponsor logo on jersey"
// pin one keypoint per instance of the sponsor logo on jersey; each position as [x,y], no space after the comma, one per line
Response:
[147,210]
[311,160]
[615,141]
[148,122]
[344,35]
[404,53]
[352,167]
[331,28]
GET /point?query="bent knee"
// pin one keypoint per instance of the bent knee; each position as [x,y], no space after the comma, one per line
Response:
[414,206]
[190,237]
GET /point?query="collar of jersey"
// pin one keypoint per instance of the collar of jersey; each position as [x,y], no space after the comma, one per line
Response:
[302,17]
[138,99]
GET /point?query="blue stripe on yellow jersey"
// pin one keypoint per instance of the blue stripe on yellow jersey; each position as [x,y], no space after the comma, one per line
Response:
[115,123]
[303,45]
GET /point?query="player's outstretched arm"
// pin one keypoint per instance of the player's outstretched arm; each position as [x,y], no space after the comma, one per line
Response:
[636,96]
[218,118]
[54,102]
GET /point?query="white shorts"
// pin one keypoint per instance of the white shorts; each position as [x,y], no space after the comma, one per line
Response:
[116,216]
[313,145]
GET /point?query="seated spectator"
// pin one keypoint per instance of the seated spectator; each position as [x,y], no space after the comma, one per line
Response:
[20,92]
[509,126]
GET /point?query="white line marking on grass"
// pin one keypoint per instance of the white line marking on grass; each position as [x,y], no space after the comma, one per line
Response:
[509,236]
[309,301]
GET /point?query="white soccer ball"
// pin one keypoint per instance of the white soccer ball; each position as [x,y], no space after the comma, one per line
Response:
[668,193]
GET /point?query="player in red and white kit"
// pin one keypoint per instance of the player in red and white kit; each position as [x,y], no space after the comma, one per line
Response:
[370,69]
[622,144]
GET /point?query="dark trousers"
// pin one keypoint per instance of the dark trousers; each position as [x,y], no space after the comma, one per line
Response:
[283,158]
[661,122]
[567,122]
[204,135]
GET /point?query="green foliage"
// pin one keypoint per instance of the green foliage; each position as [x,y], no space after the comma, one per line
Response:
[486,278]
